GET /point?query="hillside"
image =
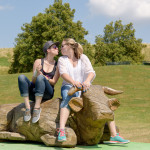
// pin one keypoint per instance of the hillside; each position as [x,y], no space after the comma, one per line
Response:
[7,53]
[5,59]
[146,52]
[132,117]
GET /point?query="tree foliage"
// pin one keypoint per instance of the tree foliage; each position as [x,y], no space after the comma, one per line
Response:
[89,50]
[55,24]
[118,44]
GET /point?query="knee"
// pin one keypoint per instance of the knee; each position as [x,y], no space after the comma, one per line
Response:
[64,91]
[64,104]
[21,78]
[40,78]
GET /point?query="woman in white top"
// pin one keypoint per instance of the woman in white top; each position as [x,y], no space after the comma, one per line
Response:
[76,70]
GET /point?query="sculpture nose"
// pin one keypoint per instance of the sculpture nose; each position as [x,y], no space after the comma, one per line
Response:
[103,115]
[106,115]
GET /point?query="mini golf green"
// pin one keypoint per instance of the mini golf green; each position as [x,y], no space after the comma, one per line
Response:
[35,146]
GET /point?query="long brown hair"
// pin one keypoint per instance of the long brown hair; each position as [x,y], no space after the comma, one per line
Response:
[78,50]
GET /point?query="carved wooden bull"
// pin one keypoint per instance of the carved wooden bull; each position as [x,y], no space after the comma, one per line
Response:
[84,127]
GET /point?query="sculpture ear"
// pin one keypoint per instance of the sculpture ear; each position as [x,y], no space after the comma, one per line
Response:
[76,104]
[111,91]
[113,104]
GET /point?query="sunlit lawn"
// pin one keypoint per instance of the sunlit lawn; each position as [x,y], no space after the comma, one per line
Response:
[133,115]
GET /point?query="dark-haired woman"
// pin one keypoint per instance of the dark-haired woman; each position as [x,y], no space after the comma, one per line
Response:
[45,75]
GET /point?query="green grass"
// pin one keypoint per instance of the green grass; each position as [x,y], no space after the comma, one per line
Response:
[40,146]
[4,61]
[132,117]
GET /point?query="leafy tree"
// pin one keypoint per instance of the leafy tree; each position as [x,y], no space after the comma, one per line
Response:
[89,50]
[55,24]
[118,44]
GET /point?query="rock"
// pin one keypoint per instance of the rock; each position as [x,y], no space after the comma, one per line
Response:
[84,127]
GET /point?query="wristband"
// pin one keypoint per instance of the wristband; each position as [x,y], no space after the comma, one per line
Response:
[35,74]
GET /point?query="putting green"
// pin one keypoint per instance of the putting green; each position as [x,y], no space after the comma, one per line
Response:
[35,146]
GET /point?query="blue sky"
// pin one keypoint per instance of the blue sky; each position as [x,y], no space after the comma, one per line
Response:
[94,14]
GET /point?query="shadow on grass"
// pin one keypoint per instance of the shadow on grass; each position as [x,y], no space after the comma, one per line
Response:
[117,145]
[89,147]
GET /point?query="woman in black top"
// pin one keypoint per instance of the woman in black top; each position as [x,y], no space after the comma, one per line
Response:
[45,75]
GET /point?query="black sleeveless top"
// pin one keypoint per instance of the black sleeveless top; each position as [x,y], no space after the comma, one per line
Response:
[51,74]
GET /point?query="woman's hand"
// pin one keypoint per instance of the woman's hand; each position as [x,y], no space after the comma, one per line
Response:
[86,85]
[46,77]
[77,84]
[38,68]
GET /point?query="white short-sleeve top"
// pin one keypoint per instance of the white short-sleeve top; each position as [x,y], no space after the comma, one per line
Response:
[78,73]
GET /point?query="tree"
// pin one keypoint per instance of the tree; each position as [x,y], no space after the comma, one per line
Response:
[89,50]
[56,23]
[118,44]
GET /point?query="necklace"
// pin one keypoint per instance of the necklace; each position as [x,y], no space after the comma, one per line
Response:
[49,62]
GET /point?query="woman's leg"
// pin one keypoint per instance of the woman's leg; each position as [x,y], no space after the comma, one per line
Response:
[112,128]
[24,86]
[64,114]
[26,101]
[43,90]
[64,111]
[38,100]
[115,137]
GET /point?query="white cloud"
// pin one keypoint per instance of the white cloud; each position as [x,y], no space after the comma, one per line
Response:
[137,9]
[6,7]
[1,7]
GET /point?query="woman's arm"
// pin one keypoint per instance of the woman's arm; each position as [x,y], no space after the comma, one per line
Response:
[86,84]
[64,72]
[89,72]
[68,79]
[36,69]
[55,78]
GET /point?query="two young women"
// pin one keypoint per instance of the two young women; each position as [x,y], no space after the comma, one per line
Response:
[76,70]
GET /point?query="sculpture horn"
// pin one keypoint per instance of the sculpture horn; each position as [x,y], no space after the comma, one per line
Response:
[111,91]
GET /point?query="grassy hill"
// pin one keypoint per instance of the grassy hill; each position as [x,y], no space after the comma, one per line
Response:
[132,117]
[5,59]
[7,53]
[146,52]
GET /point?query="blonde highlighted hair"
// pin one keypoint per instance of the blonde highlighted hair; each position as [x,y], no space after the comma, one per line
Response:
[78,49]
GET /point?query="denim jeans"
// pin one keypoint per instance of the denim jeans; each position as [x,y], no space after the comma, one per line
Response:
[42,88]
[65,97]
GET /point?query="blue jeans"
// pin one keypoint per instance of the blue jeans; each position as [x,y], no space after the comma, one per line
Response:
[65,97]
[42,88]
